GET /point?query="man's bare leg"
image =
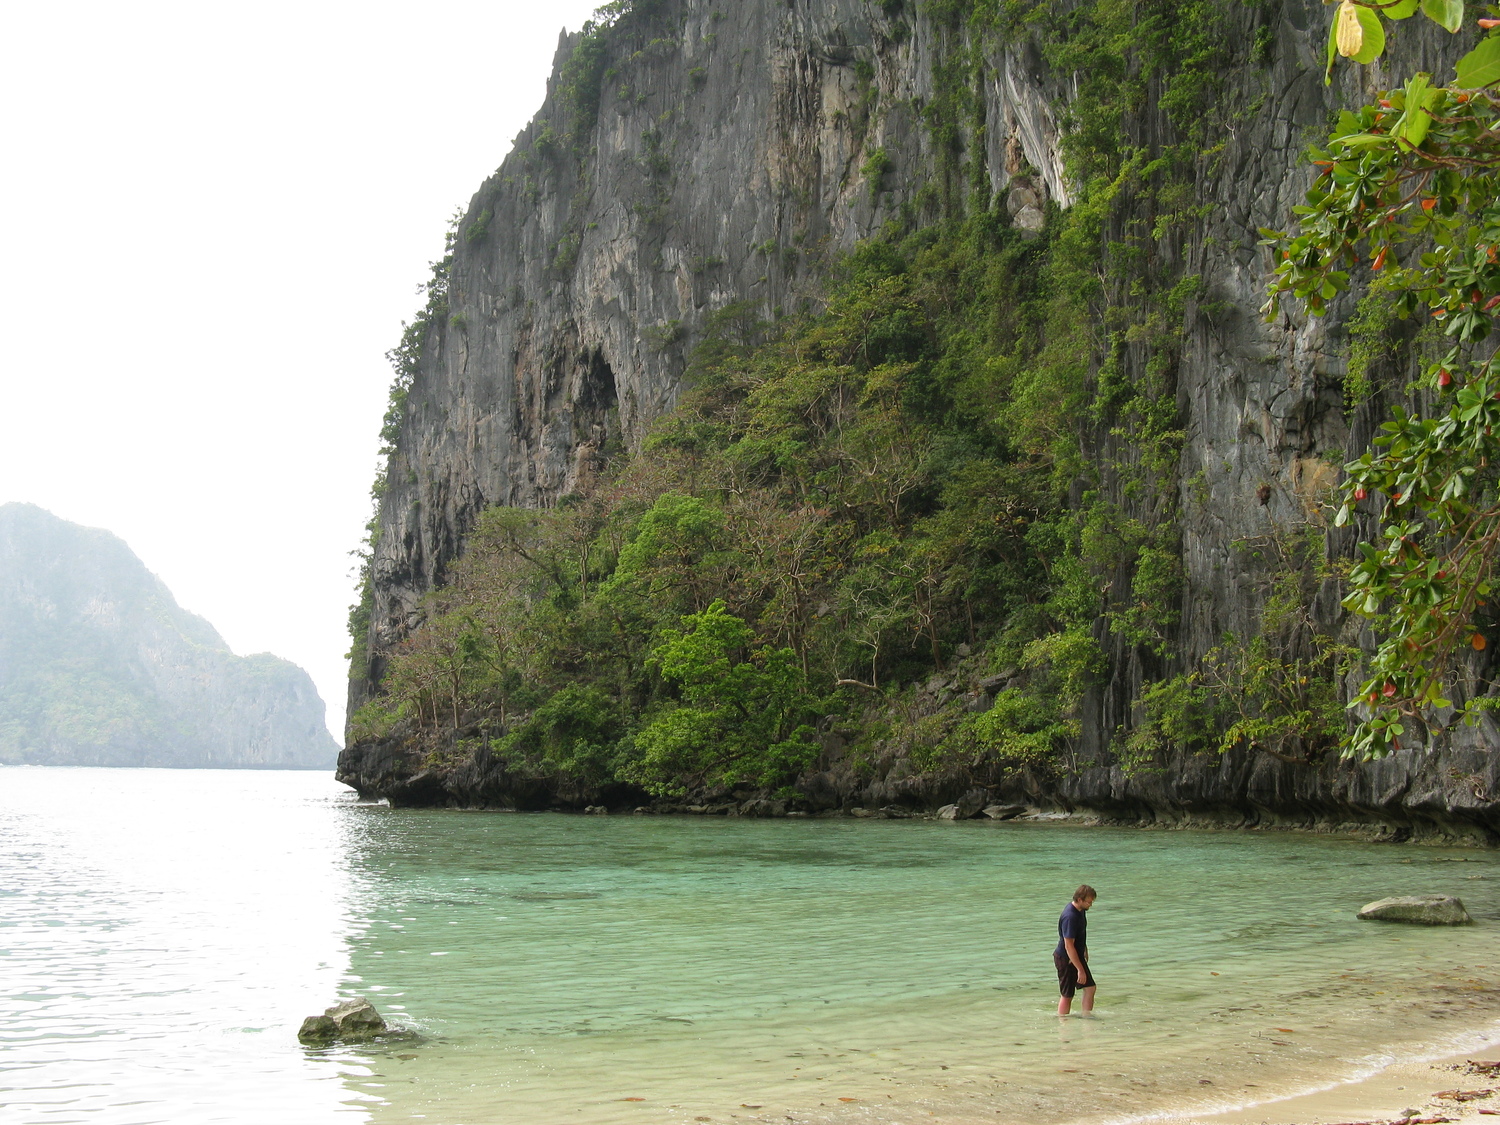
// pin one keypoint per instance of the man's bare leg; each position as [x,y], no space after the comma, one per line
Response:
[1088,1000]
[1064,1005]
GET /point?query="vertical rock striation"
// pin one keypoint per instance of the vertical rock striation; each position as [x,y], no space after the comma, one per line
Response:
[733,150]
[726,163]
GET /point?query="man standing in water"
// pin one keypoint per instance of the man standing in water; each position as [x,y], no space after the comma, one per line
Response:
[1072,953]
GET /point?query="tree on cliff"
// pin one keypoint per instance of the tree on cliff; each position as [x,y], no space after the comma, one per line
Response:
[1410,185]
[742,710]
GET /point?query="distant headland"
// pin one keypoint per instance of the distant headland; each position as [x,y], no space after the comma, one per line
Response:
[99,666]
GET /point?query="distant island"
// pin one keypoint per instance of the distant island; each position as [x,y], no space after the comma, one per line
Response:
[99,666]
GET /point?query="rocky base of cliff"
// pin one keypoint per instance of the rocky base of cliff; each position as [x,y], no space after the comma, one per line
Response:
[1414,795]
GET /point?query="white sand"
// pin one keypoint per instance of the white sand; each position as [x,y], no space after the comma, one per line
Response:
[1381,1098]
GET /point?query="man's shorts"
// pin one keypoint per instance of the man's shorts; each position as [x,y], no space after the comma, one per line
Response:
[1067,976]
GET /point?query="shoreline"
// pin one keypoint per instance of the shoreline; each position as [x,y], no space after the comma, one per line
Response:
[1370,830]
[1385,1093]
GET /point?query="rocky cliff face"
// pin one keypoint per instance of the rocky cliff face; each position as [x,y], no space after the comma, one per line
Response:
[727,163]
[99,666]
[736,150]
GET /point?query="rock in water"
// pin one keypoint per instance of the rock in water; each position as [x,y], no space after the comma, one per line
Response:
[1424,910]
[350,1021]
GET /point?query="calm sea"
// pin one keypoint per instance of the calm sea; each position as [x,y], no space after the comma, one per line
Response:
[163,933]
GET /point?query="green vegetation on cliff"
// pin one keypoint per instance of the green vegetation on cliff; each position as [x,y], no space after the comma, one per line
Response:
[968,453]
[1408,188]
[837,506]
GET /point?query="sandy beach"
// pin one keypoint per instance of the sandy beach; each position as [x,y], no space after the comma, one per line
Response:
[1456,1087]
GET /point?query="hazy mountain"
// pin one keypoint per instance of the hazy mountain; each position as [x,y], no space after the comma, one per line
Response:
[99,666]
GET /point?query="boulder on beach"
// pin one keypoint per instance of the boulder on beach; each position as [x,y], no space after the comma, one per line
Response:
[1423,910]
[350,1021]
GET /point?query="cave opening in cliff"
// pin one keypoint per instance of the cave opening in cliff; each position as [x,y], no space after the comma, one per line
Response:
[596,410]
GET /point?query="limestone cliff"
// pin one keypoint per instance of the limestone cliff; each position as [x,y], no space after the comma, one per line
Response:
[99,666]
[726,163]
[730,152]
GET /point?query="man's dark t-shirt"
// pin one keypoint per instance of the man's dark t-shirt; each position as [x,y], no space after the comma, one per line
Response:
[1074,924]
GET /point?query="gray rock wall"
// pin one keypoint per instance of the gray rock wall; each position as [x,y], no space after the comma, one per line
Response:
[725,165]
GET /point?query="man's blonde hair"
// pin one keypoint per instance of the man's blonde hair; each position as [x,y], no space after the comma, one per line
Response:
[1084,892]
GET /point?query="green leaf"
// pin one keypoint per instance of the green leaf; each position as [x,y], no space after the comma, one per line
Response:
[1481,66]
[1448,13]
[1415,120]
[1374,41]
[1333,53]
[1400,11]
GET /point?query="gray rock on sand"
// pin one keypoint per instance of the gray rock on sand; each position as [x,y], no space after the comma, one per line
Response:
[1424,910]
[350,1021]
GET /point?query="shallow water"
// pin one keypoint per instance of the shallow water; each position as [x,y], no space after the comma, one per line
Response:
[162,933]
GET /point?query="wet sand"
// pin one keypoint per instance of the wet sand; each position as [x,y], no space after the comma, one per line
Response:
[1406,1091]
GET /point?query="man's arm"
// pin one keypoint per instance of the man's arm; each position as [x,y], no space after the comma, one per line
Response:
[1071,947]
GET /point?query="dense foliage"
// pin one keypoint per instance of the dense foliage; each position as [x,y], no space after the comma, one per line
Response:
[1410,185]
[969,453]
[836,507]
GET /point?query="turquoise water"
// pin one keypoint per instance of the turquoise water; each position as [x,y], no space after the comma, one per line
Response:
[162,933]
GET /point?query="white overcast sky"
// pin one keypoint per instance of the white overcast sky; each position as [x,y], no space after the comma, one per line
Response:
[213,220]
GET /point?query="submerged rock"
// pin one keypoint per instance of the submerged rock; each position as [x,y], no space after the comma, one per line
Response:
[350,1021]
[1424,910]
